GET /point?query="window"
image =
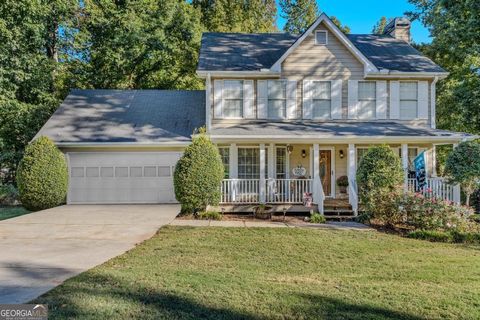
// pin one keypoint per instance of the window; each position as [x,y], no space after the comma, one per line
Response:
[277,99]
[121,172]
[150,171]
[249,163]
[281,163]
[367,96]
[408,100]
[322,99]
[233,98]
[136,172]
[92,172]
[106,172]
[412,154]
[225,155]
[77,172]
[164,171]
[321,37]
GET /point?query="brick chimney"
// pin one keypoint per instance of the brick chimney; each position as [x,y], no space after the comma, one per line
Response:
[399,28]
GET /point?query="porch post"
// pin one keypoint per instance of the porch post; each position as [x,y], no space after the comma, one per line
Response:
[271,172]
[456,188]
[233,169]
[262,174]
[352,172]
[405,165]
[317,184]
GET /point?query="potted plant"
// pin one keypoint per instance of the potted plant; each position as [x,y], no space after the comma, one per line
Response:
[263,211]
[342,183]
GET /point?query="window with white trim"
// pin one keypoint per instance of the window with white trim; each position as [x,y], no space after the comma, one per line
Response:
[412,154]
[367,100]
[408,100]
[277,99]
[225,155]
[249,163]
[281,162]
[321,99]
[233,99]
[321,37]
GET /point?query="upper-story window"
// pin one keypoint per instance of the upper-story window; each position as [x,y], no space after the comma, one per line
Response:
[322,99]
[277,99]
[408,100]
[367,100]
[233,99]
[321,37]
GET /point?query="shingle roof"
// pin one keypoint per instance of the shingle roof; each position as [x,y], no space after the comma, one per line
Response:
[126,116]
[386,52]
[319,130]
[250,52]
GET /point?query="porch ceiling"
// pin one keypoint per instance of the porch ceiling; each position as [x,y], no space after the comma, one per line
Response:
[333,131]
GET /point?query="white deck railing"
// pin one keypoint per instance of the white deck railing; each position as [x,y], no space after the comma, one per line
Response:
[436,187]
[245,191]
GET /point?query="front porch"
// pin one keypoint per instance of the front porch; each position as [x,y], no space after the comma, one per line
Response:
[285,175]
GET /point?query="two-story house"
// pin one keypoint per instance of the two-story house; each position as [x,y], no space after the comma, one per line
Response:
[290,114]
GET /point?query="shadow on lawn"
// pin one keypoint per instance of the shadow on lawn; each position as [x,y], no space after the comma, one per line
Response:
[98,297]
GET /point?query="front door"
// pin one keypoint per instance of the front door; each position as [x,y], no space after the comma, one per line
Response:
[326,171]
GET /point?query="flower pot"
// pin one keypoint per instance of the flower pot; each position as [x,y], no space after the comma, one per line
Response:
[343,189]
[263,212]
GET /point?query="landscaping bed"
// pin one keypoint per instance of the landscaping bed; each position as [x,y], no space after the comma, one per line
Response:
[287,273]
[7,212]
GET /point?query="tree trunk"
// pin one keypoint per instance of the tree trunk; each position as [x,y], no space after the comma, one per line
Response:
[467,201]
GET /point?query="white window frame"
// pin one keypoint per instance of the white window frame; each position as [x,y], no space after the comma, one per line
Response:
[287,163]
[326,38]
[284,83]
[252,147]
[224,99]
[361,99]
[400,101]
[314,99]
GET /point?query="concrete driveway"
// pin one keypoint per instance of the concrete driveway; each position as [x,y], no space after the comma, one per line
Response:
[40,250]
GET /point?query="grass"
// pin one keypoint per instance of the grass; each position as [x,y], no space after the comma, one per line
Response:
[12,212]
[261,273]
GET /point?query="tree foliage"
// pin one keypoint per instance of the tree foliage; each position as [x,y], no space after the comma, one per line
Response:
[238,16]
[198,175]
[463,167]
[42,176]
[300,14]
[379,27]
[455,46]
[344,28]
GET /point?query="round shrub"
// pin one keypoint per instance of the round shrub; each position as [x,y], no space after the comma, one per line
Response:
[42,176]
[198,175]
[379,178]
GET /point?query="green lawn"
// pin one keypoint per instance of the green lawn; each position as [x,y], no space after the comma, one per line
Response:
[254,273]
[12,212]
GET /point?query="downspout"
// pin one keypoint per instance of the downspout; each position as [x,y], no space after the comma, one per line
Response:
[433,102]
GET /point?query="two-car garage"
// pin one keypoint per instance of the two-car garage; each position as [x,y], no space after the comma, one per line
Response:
[121,177]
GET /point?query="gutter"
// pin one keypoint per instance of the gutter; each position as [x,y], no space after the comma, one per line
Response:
[132,145]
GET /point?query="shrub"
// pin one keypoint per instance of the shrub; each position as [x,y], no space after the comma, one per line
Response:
[453,236]
[42,176]
[463,167]
[380,177]
[209,215]
[8,195]
[434,214]
[198,175]
[316,217]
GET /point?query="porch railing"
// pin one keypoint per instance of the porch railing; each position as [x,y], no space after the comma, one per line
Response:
[245,191]
[435,187]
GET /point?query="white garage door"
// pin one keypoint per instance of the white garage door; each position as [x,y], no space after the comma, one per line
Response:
[122,177]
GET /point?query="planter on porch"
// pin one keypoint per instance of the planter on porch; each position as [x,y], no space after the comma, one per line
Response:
[263,212]
[342,183]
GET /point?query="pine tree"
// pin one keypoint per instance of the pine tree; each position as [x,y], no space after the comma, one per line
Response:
[344,28]
[379,27]
[300,14]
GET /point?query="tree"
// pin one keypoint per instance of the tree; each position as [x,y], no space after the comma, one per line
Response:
[42,176]
[379,27]
[344,28]
[237,16]
[463,167]
[198,175]
[455,46]
[300,14]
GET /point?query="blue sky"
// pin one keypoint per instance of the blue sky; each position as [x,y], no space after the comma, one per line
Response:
[361,15]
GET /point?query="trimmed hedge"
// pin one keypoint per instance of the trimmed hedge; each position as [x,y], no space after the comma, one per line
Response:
[42,176]
[446,236]
[198,175]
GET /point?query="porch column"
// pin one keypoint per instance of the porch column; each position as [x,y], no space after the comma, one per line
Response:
[317,184]
[262,174]
[271,172]
[352,183]
[456,188]
[233,169]
[405,165]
